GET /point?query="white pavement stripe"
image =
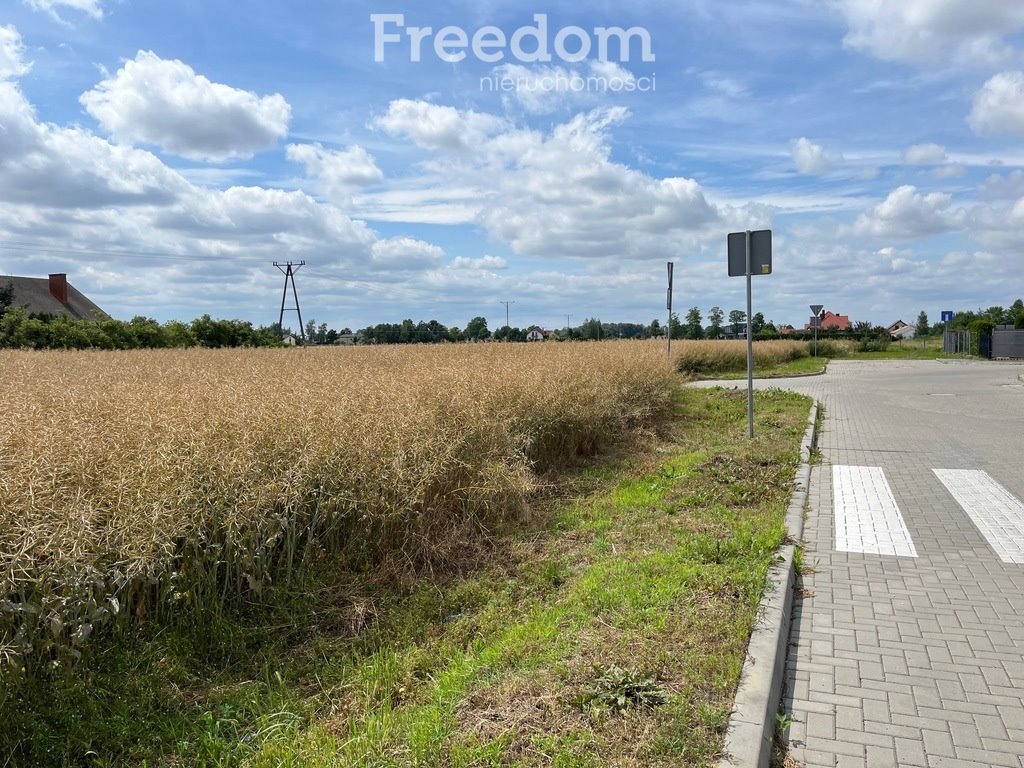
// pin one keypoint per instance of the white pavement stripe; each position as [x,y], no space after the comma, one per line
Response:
[997,514]
[867,517]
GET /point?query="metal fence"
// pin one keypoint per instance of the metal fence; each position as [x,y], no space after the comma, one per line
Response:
[956,342]
[1007,342]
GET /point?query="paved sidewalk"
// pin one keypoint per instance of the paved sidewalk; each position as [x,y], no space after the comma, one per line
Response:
[898,659]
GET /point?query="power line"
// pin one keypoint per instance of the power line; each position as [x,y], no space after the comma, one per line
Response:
[21,246]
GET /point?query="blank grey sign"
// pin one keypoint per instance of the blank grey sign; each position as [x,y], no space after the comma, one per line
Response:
[760,253]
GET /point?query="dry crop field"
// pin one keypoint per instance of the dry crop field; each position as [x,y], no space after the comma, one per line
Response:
[716,357]
[145,486]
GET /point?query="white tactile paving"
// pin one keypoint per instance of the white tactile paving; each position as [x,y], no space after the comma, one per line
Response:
[867,517]
[995,512]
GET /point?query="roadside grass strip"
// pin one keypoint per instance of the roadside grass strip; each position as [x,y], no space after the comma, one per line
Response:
[611,630]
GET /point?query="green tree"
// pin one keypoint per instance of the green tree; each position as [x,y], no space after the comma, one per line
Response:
[654,329]
[1017,313]
[675,327]
[476,329]
[6,297]
[715,318]
[757,323]
[737,321]
[694,329]
[591,329]
[922,328]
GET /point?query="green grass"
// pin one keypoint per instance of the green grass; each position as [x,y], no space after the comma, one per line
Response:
[803,366]
[611,631]
[909,349]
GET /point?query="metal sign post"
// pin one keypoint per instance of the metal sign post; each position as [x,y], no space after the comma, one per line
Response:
[750,348]
[749,254]
[815,322]
[668,303]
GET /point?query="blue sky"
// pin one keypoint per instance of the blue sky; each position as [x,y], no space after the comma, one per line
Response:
[165,154]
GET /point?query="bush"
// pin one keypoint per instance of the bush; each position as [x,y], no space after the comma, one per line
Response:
[878,343]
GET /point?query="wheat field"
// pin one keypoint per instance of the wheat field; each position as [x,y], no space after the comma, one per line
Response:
[711,357]
[143,486]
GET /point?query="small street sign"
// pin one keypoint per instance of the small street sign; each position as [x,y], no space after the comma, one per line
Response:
[816,309]
[749,254]
[760,253]
[947,316]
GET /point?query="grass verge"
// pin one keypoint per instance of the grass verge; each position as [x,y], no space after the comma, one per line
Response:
[610,630]
[803,366]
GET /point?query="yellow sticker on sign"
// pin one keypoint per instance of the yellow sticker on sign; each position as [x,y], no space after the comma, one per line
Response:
[766,269]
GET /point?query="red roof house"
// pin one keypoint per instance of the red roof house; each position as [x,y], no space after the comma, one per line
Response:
[831,321]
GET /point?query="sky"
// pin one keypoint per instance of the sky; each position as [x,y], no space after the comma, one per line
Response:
[433,161]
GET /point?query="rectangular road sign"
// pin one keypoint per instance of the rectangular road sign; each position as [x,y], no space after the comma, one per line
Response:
[760,253]
[947,316]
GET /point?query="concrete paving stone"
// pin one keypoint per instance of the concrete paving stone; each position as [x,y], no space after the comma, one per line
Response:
[992,727]
[865,737]
[882,757]
[1007,746]
[910,752]
[814,758]
[938,742]
[988,757]
[938,640]
[939,761]
[965,735]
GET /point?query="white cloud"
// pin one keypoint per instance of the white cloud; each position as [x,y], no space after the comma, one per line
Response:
[164,102]
[906,213]
[485,262]
[91,8]
[544,89]
[12,54]
[336,172]
[405,253]
[924,31]
[925,154]
[999,105]
[432,126]
[810,158]
[998,187]
[70,168]
[950,171]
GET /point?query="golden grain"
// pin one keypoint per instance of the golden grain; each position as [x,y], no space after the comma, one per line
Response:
[153,484]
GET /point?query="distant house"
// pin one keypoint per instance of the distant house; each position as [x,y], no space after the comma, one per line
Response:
[289,340]
[52,295]
[830,321]
[536,333]
[900,330]
[785,330]
[348,339]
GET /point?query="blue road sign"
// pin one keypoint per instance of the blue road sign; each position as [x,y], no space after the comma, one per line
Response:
[947,316]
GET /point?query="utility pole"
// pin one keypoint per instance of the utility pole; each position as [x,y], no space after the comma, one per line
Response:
[288,269]
[568,327]
[671,269]
[506,303]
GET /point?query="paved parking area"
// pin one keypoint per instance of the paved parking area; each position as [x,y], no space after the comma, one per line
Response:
[907,642]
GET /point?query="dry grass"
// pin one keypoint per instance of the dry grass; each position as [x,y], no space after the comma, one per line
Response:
[156,485]
[714,357]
